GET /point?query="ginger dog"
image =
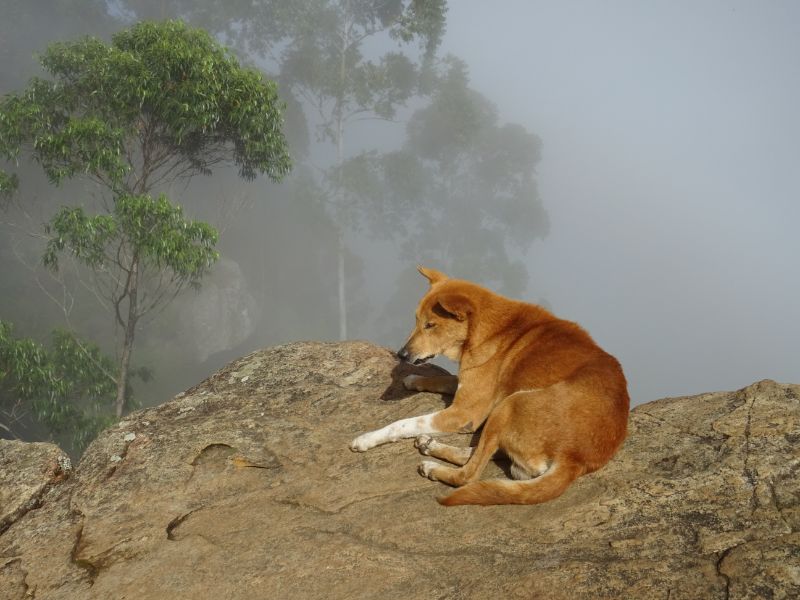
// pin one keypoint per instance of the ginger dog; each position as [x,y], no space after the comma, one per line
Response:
[551,399]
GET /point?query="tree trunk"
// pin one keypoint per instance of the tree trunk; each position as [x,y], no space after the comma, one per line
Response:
[340,238]
[342,293]
[338,110]
[122,377]
[130,331]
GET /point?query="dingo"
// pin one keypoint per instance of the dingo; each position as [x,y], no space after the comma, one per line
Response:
[553,401]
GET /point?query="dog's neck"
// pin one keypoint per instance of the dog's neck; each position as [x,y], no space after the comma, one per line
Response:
[497,325]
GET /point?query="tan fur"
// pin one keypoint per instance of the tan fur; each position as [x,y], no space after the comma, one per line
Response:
[550,397]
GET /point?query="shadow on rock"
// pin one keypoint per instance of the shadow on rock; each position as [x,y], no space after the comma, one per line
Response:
[397,391]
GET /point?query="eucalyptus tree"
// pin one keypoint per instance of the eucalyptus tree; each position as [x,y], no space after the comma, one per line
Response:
[162,102]
[461,193]
[322,50]
[482,180]
[328,54]
[64,387]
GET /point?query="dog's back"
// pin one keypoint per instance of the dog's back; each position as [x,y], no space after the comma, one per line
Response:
[561,401]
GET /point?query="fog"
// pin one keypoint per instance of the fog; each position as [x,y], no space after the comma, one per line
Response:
[656,202]
[669,173]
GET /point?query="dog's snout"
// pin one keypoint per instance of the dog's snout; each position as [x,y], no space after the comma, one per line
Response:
[402,354]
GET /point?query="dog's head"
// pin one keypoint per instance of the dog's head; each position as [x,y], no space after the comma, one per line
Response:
[442,321]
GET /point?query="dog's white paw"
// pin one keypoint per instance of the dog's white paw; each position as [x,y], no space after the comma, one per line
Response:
[362,443]
[426,468]
[410,382]
[423,444]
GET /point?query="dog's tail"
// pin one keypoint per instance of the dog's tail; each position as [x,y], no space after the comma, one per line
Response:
[547,486]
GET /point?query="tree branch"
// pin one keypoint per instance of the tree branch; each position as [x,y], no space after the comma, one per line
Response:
[66,304]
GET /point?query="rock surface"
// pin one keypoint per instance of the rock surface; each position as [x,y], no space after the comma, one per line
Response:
[243,487]
[28,471]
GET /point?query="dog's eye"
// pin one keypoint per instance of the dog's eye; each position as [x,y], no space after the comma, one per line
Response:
[429,325]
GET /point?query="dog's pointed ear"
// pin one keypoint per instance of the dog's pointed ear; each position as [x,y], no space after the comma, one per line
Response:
[453,305]
[432,275]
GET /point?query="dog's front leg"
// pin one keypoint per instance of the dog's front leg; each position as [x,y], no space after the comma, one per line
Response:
[439,384]
[404,428]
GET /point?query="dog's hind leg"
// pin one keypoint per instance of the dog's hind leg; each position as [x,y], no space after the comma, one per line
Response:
[488,444]
[452,454]
[483,453]
[438,384]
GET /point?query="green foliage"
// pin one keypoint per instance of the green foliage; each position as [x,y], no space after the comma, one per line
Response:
[151,231]
[86,237]
[382,191]
[318,45]
[163,239]
[8,184]
[163,100]
[66,388]
[459,171]
[424,19]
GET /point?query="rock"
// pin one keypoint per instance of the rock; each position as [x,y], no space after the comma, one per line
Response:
[28,474]
[28,471]
[244,487]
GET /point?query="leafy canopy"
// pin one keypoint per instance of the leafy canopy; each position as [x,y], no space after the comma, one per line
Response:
[162,101]
[459,170]
[66,387]
[151,229]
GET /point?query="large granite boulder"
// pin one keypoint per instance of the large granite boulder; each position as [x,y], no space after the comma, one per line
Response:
[244,487]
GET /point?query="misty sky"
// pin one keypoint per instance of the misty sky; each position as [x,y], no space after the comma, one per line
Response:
[670,174]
